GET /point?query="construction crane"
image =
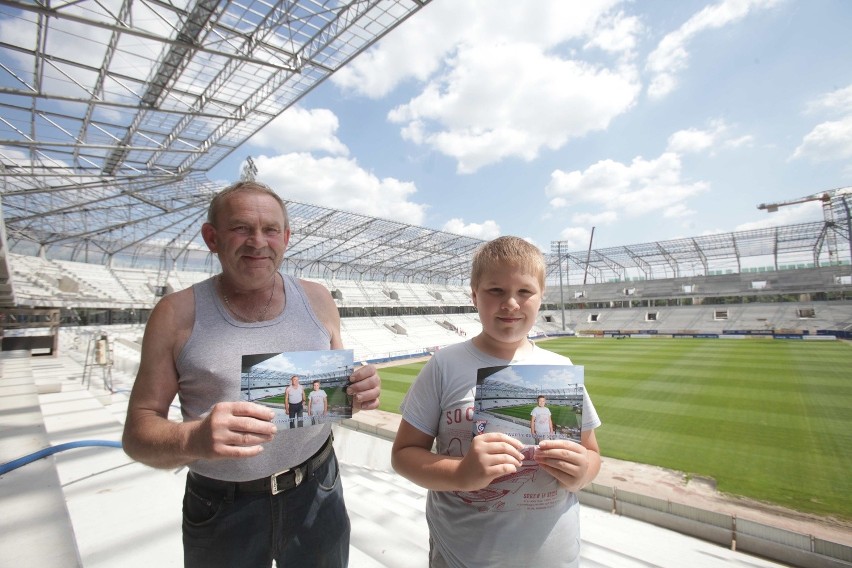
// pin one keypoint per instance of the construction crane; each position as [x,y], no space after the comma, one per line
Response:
[827,198]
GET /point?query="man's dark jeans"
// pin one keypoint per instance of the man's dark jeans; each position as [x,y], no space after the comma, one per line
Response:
[305,526]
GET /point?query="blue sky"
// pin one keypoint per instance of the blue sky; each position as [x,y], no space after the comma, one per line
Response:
[308,362]
[645,120]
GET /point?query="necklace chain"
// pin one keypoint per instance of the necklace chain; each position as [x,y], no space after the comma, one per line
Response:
[261,314]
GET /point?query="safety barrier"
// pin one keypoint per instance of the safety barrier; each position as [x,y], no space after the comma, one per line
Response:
[728,530]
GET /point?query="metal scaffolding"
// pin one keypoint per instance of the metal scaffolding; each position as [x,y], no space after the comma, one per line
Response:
[816,244]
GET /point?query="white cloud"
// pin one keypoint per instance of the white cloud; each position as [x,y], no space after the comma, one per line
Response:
[839,100]
[690,141]
[617,33]
[678,210]
[827,141]
[532,241]
[631,189]
[330,360]
[832,139]
[479,114]
[419,47]
[340,183]
[694,140]
[302,130]
[486,231]
[576,238]
[413,51]
[496,80]
[740,142]
[595,219]
[279,364]
[672,56]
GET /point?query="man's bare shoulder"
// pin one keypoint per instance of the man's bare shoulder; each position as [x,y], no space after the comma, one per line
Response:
[318,295]
[174,312]
[325,309]
[313,287]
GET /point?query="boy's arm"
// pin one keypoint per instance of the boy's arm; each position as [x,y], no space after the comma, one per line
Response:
[573,465]
[489,456]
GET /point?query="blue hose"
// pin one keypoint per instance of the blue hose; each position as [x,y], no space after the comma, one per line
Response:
[15,464]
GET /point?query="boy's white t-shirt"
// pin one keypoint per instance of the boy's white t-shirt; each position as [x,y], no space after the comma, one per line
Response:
[524,519]
[317,400]
[541,415]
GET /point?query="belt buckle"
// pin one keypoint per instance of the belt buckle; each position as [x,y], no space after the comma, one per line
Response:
[297,478]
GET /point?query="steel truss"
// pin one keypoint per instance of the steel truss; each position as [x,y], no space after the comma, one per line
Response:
[112,112]
[817,244]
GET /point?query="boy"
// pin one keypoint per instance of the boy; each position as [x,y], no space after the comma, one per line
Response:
[317,404]
[541,423]
[488,504]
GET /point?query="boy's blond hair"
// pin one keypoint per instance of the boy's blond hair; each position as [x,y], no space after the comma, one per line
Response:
[505,252]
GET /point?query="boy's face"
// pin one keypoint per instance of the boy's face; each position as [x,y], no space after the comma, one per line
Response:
[507,301]
[316,386]
[541,401]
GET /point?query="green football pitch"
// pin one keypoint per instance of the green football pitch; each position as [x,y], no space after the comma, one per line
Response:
[767,419]
[561,415]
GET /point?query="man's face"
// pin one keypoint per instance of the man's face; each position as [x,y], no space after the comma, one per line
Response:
[250,238]
[294,381]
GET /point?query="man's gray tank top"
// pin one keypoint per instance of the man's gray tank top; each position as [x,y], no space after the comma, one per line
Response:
[209,368]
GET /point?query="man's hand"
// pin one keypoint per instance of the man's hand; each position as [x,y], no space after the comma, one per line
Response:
[365,387]
[490,456]
[232,430]
[565,460]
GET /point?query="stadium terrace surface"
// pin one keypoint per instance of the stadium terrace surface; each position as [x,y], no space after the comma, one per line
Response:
[82,499]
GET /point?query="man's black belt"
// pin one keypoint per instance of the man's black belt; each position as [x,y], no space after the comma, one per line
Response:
[277,482]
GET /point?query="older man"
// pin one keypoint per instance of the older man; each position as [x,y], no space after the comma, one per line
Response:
[253,494]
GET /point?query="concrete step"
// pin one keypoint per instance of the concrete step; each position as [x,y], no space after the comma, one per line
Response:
[123,513]
[387,514]
[387,511]
[35,524]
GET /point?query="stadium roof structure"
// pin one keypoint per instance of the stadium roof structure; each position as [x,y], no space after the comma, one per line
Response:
[803,245]
[113,111]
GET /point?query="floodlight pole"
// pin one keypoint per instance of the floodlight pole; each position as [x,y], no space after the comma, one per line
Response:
[848,227]
[561,290]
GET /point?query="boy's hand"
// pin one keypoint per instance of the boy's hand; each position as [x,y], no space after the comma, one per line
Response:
[565,460]
[490,456]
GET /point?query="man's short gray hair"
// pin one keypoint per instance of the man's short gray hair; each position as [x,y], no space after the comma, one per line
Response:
[244,187]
